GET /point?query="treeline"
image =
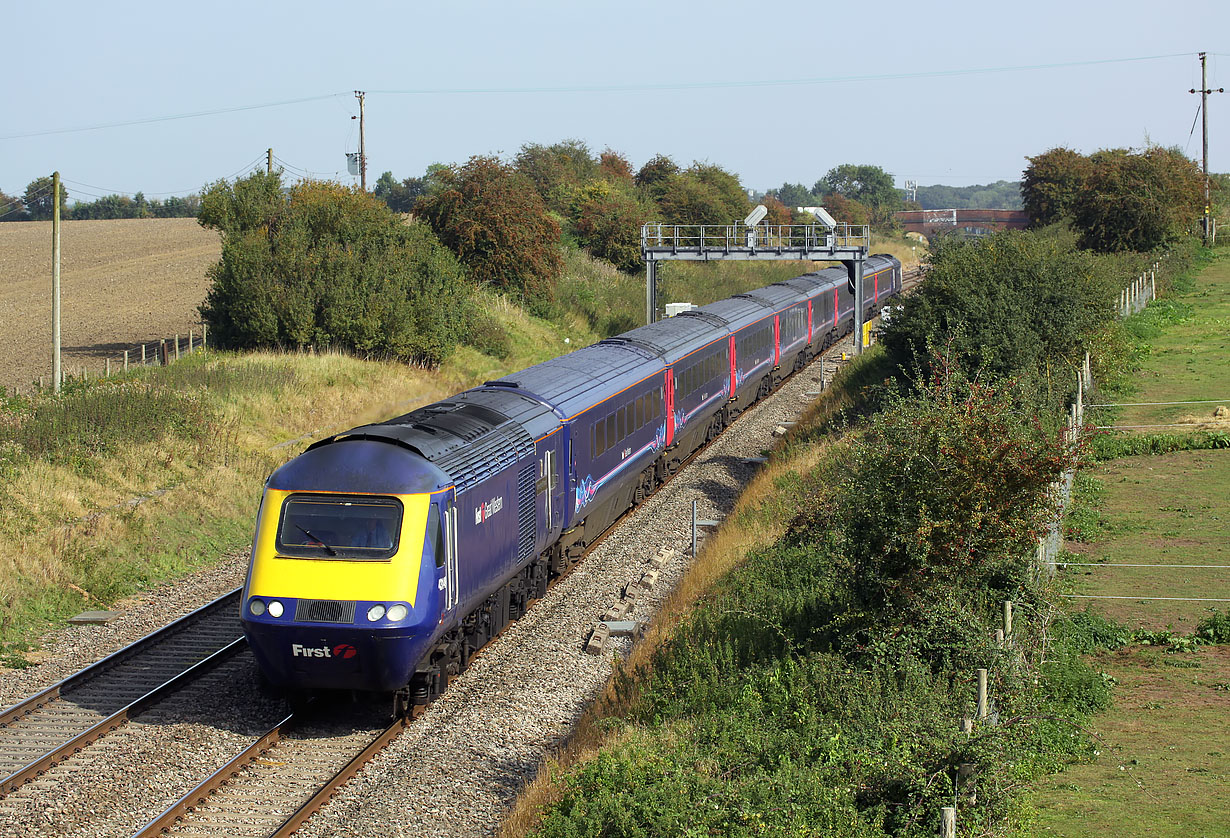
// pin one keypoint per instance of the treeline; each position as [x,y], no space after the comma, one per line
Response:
[567,193]
[856,194]
[1002,194]
[37,203]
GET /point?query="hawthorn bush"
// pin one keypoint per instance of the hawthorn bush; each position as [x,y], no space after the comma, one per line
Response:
[491,216]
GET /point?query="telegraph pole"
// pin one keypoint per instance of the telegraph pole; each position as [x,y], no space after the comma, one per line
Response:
[269,161]
[1204,121]
[359,94]
[55,282]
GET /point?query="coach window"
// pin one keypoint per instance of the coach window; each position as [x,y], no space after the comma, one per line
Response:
[611,438]
[621,427]
[640,412]
[600,432]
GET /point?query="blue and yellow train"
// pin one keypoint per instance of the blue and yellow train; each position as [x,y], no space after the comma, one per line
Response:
[386,555]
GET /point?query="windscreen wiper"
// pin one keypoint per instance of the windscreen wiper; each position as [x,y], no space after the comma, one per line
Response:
[328,549]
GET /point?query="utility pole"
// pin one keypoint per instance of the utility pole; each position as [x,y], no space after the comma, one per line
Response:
[1204,121]
[359,94]
[269,161]
[55,282]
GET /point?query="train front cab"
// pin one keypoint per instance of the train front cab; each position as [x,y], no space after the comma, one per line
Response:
[348,591]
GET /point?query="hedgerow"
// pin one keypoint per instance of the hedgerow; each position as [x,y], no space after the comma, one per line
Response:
[819,688]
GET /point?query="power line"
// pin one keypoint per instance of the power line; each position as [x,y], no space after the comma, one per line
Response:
[607,88]
[1110,564]
[1166,598]
[167,118]
[1155,404]
[922,74]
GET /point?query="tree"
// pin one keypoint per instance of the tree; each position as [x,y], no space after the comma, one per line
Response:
[608,221]
[399,197]
[1051,184]
[614,167]
[703,194]
[795,195]
[653,176]
[1138,201]
[778,213]
[555,170]
[941,499]
[846,210]
[40,199]
[12,208]
[869,185]
[491,216]
[250,204]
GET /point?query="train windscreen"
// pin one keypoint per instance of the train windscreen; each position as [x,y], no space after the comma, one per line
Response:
[339,527]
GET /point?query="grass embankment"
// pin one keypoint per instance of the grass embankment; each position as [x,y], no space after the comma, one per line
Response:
[193,443]
[1164,766]
[790,688]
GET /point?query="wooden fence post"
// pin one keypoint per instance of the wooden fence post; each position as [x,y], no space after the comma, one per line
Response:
[142,354]
[982,695]
[107,367]
[948,822]
[177,347]
[189,341]
[204,333]
[1008,622]
[125,360]
[162,351]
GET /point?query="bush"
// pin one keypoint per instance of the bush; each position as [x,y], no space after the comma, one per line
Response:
[1011,305]
[329,266]
[608,221]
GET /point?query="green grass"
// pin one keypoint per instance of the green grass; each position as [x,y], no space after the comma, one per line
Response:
[1157,497]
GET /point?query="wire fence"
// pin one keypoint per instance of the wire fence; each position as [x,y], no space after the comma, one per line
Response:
[1133,299]
[157,353]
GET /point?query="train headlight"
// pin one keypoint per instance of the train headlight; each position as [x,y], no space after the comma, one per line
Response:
[397,613]
[256,607]
[375,613]
[275,609]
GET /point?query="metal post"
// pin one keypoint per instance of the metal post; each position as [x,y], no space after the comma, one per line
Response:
[56,374]
[1152,285]
[651,292]
[125,360]
[858,306]
[142,354]
[693,529]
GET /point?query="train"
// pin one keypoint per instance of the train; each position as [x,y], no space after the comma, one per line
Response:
[386,555]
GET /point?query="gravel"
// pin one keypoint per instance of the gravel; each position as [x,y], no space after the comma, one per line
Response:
[460,766]
[65,651]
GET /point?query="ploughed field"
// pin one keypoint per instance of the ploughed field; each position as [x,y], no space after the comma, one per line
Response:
[122,283]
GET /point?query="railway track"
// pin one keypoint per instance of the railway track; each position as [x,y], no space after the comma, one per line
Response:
[268,788]
[56,723]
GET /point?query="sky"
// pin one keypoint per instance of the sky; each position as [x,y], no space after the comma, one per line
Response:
[172,96]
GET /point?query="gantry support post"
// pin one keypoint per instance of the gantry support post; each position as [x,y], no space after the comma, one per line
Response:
[854,270]
[651,292]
